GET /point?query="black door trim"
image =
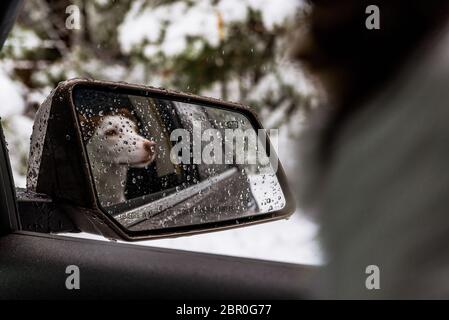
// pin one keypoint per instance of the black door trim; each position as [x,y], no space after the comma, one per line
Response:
[35,268]
[8,206]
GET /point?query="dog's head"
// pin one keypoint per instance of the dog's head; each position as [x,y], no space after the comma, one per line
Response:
[113,139]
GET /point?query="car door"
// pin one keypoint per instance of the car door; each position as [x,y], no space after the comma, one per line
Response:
[38,265]
[34,265]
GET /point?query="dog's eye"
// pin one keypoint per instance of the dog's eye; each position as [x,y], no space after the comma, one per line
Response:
[111,132]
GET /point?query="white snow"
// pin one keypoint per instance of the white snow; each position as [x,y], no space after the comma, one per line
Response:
[22,40]
[18,130]
[292,241]
[11,96]
[138,27]
[144,25]
[274,12]
[233,10]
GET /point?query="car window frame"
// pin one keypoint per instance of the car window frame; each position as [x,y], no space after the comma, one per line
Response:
[9,218]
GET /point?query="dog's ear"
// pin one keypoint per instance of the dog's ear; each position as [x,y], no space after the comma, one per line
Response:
[125,112]
[82,119]
[128,114]
[88,125]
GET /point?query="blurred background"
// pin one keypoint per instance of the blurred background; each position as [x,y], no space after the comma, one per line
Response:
[231,49]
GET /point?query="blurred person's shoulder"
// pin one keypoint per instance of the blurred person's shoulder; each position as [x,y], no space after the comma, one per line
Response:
[383,198]
[411,107]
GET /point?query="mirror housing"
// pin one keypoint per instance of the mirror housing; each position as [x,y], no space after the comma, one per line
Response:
[59,164]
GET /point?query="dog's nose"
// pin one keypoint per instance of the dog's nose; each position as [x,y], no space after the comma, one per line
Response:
[148,145]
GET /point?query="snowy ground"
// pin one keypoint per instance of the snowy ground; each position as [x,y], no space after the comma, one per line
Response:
[285,241]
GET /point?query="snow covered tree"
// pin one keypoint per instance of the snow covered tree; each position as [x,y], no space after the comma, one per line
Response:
[231,49]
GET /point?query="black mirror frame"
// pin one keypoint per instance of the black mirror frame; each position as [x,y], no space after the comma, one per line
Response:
[59,166]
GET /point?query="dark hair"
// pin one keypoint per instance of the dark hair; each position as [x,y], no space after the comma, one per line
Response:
[355,62]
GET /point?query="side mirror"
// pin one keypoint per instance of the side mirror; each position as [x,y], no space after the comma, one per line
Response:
[133,162]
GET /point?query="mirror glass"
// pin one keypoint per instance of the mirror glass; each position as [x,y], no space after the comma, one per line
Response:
[158,163]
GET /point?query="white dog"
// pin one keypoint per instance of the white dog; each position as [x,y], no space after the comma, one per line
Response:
[113,145]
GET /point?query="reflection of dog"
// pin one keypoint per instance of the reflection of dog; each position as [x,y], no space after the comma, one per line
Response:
[113,145]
